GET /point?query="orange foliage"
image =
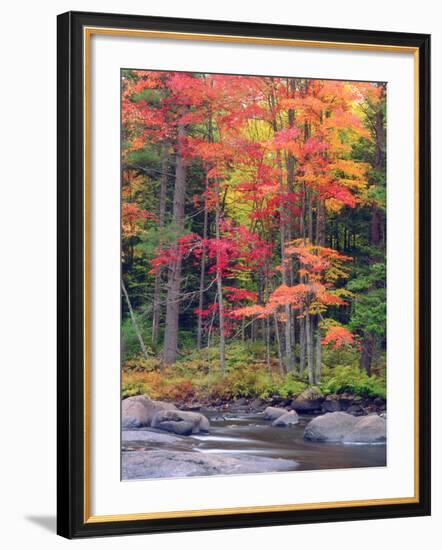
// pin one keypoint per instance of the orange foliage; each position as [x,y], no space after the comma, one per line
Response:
[338,336]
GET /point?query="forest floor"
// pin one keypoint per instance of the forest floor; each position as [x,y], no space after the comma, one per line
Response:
[196,379]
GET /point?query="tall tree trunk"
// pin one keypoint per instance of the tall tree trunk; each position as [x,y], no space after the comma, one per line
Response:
[308,319]
[289,358]
[134,321]
[302,219]
[369,339]
[174,282]
[161,219]
[302,338]
[320,241]
[285,275]
[291,159]
[267,331]
[202,275]
[310,216]
[278,344]
[318,354]
[290,226]
[309,346]
[320,222]
[219,285]
[368,347]
[375,226]
[306,230]
[302,345]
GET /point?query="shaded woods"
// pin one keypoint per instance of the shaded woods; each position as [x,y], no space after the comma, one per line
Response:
[253,235]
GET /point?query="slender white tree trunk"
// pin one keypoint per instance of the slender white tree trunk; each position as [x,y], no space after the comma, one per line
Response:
[134,321]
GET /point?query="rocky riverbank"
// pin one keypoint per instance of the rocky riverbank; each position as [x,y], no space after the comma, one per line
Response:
[163,463]
[309,402]
[160,440]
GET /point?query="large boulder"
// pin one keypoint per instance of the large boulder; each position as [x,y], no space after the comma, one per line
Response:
[288,419]
[330,427]
[180,422]
[160,463]
[138,411]
[369,429]
[308,402]
[272,413]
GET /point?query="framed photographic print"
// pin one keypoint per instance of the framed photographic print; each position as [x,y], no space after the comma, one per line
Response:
[243,274]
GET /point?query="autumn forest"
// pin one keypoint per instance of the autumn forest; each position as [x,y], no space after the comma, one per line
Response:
[253,237]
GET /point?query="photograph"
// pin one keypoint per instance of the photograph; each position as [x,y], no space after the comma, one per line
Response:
[253,274]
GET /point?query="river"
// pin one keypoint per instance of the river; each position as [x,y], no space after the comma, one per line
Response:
[248,435]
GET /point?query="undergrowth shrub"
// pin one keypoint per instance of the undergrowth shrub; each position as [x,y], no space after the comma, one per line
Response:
[353,380]
[198,376]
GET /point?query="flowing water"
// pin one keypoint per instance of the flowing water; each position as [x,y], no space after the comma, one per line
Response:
[250,433]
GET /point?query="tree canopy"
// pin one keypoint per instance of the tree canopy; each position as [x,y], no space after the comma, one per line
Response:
[253,210]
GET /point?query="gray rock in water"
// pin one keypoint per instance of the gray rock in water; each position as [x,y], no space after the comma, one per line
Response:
[288,419]
[162,463]
[148,436]
[330,427]
[180,422]
[369,429]
[272,413]
[179,427]
[138,411]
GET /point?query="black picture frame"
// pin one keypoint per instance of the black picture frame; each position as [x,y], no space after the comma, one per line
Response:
[72,522]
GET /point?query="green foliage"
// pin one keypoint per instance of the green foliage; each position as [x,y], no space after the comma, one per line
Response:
[143,158]
[154,237]
[190,367]
[195,380]
[248,381]
[141,364]
[130,347]
[340,357]
[369,311]
[148,95]
[353,380]
[290,387]
[129,389]
[239,353]
[197,376]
